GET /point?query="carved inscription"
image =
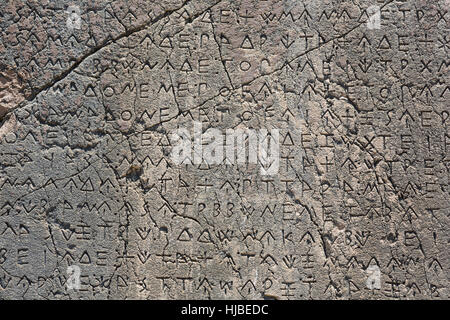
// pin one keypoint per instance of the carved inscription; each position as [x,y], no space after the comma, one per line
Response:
[317,149]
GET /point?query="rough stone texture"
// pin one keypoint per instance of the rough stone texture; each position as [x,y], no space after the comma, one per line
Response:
[86,176]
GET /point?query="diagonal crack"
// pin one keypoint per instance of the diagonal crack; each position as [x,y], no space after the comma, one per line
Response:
[36,91]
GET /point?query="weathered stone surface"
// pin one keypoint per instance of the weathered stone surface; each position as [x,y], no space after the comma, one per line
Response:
[91,95]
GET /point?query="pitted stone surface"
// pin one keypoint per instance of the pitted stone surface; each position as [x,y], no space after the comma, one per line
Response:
[91,93]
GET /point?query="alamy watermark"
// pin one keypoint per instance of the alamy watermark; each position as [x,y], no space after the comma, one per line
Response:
[73,20]
[374,277]
[374,20]
[234,146]
[73,281]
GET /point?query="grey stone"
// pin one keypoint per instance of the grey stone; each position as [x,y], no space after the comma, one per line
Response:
[91,95]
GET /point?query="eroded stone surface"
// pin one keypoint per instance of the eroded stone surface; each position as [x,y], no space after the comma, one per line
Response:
[87,180]
[13,89]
